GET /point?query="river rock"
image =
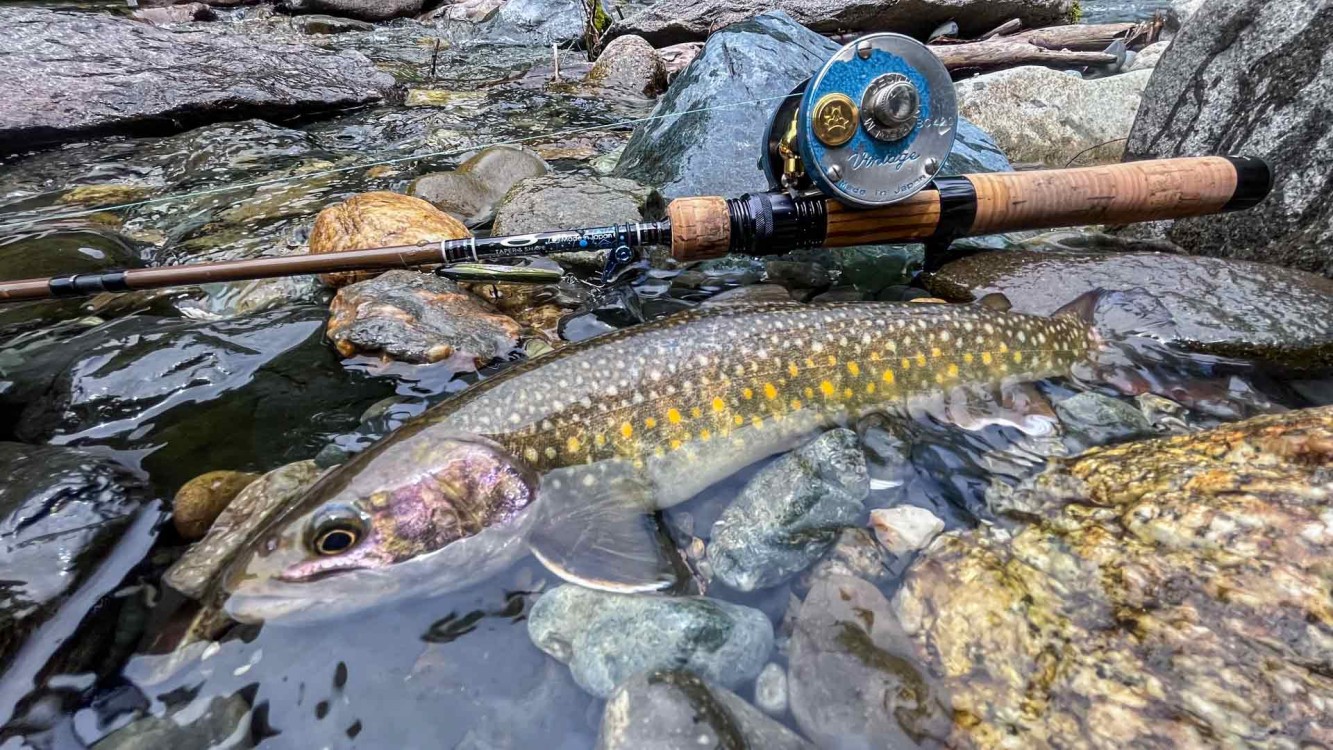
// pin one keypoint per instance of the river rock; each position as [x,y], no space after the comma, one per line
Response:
[762,58]
[1146,58]
[58,252]
[905,528]
[629,66]
[362,10]
[606,638]
[418,317]
[855,553]
[677,57]
[1169,592]
[175,14]
[543,204]
[249,511]
[852,676]
[1098,419]
[790,513]
[542,22]
[318,24]
[770,689]
[470,192]
[665,710]
[1245,77]
[1227,307]
[224,724]
[672,21]
[61,510]
[376,220]
[199,501]
[145,78]
[160,389]
[1039,115]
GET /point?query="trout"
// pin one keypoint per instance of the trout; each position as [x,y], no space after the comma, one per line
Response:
[567,454]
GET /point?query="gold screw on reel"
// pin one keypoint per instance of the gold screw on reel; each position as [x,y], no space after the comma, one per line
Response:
[835,119]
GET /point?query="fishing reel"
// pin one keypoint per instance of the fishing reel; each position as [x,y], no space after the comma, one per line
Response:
[871,128]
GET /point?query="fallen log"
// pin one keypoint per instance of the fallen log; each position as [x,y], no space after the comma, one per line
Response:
[1091,37]
[996,54]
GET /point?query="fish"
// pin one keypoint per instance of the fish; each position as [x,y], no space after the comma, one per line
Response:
[568,454]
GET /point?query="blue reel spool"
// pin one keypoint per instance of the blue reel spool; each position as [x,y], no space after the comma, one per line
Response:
[873,126]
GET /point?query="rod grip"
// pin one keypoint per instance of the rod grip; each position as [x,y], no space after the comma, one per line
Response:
[700,228]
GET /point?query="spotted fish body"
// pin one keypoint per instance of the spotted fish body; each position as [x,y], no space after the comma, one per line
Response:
[654,413]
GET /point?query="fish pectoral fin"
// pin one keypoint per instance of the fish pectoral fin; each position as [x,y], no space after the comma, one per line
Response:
[598,528]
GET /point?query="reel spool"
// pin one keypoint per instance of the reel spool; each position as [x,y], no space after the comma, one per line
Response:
[871,128]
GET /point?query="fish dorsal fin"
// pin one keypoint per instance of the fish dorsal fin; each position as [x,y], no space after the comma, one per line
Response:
[1129,312]
[598,529]
[996,301]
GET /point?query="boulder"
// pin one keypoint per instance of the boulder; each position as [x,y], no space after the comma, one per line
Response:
[471,191]
[58,252]
[541,22]
[1169,592]
[673,21]
[145,79]
[1249,77]
[1227,307]
[1147,58]
[175,14]
[665,710]
[61,511]
[318,24]
[378,219]
[606,638]
[1039,115]
[418,317]
[629,66]
[362,10]
[544,204]
[199,501]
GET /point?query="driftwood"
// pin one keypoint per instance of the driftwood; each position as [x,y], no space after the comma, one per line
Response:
[994,54]
[1004,29]
[1092,37]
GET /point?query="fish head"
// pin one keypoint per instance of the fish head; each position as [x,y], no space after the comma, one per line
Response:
[417,515]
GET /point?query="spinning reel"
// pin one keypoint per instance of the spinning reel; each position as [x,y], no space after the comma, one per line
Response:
[872,127]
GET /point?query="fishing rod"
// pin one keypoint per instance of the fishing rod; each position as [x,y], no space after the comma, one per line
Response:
[851,159]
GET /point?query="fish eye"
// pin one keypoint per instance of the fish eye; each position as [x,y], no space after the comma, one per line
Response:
[335,531]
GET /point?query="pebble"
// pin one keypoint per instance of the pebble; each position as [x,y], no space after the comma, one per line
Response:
[378,219]
[1099,419]
[199,501]
[770,689]
[905,528]
[605,638]
[471,191]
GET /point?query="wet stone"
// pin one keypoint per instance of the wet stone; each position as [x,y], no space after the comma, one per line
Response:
[199,501]
[605,638]
[319,24]
[378,219]
[629,66]
[1164,592]
[1099,419]
[544,204]
[905,528]
[1228,307]
[59,253]
[606,310]
[855,553]
[542,22]
[61,510]
[663,710]
[790,513]
[471,191]
[770,689]
[853,679]
[224,724]
[363,10]
[418,317]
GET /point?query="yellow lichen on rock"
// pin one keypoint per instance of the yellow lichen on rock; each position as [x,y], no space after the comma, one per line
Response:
[375,220]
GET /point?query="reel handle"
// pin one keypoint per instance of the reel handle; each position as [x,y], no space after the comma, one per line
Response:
[973,205]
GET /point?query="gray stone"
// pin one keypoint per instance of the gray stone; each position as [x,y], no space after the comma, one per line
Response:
[905,528]
[223,725]
[538,22]
[667,710]
[145,78]
[701,146]
[1252,78]
[419,317]
[677,57]
[770,689]
[471,191]
[250,510]
[1039,115]
[362,10]
[1147,58]
[52,253]
[61,510]
[790,513]
[856,553]
[318,24]
[1227,307]
[629,66]
[852,677]
[175,14]
[1099,419]
[672,21]
[540,204]
[605,638]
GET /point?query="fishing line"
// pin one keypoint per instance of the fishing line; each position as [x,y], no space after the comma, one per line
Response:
[12,226]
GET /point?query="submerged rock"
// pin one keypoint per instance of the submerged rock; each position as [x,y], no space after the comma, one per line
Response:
[144,78]
[853,680]
[628,66]
[317,24]
[160,389]
[1227,307]
[671,21]
[199,501]
[664,710]
[249,511]
[363,10]
[905,528]
[418,317]
[184,13]
[790,513]
[1171,592]
[378,219]
[770,689]
[1099,419]
[471,191]
[224,724]
[1039,115]
[54,253]
[605,638]
[61,510]
[1247,77]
